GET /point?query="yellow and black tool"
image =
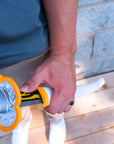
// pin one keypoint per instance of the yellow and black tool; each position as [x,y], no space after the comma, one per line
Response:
[11,99]
[39,97]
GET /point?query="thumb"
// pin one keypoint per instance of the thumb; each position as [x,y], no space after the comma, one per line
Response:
[31,84]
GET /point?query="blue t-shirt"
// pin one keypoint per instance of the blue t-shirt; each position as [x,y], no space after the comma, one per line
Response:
[23,31]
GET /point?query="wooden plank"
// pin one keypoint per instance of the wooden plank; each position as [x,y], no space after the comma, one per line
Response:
[101,137]
[39,135]
[89,123]
[89,103]
[92,102]
[77,126]
[38,118]
[5,140]
[85,124]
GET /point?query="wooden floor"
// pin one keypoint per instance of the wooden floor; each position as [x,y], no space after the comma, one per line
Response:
[90,121]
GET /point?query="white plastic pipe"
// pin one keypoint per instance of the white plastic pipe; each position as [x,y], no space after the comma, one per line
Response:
[82,90]
[86,89]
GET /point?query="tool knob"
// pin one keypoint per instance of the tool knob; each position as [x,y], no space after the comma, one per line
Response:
[10,99]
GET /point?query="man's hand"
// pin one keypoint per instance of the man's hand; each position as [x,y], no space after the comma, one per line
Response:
[58,71]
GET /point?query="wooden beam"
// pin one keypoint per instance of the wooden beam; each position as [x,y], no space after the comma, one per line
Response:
[101,137]
[93,102]
[77,126]
[87,114]
[88,123]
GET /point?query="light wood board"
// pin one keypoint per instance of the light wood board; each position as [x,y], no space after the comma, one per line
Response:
[77,126]
[91,118]
[102,137]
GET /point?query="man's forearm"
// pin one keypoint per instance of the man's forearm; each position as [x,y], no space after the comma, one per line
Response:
[58,70]
[61,17]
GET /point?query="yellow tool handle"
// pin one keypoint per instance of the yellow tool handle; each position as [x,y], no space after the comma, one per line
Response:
[45,94]
[42,95]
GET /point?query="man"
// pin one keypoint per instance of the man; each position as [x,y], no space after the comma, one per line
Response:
[24,38]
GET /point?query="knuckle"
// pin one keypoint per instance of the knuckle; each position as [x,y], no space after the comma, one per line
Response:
[69,91]
[52,111]
[66,92]
[60,112]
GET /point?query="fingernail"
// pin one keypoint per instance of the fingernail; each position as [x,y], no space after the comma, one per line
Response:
[24,88]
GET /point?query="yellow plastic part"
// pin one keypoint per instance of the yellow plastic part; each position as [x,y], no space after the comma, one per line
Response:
[16,105]
[44,96]
[29,98]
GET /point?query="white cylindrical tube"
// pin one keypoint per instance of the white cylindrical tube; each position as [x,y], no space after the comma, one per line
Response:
[86,89]
[82,90]
[49,92]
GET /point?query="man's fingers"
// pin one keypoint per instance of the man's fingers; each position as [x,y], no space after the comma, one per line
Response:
[66,106]
[55,104]
[32,83]
[59,103]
